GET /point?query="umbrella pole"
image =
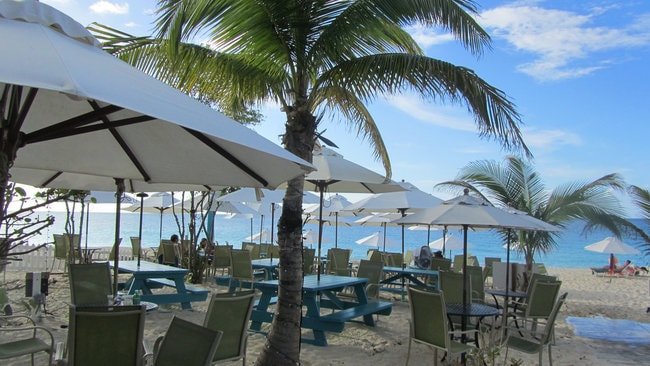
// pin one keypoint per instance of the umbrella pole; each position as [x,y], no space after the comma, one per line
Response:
[272,220]
[320,227]
[86,235]
[384,224]
[160,228]
[336,230]
[505,304]
[428,234]
[142,195]
[464,318]
[261,226]
[402,265]
[119,183]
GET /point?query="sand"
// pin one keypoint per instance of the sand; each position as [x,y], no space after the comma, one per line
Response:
[387,343]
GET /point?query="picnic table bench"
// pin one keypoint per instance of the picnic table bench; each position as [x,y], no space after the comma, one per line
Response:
[319,294]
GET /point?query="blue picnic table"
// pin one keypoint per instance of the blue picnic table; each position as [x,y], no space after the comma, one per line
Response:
[319,294]
[411,274]
[148,276]
[269,265]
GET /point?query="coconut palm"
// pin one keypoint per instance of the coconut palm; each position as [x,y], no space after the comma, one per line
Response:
[517,185]
[641,199]
[312,58]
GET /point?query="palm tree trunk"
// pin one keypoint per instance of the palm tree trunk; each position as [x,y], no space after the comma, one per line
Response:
[283,342]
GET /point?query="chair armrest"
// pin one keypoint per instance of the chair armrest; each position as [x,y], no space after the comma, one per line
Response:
[7,318]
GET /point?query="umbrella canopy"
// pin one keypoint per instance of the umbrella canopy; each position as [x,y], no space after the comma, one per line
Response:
[336,174]
[263,237]
[612,245]
[159,202]
[83,111]
[71,108]
[378,240]
[333,206]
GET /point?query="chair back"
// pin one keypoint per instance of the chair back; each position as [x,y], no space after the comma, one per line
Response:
[230,314]
[105,335]
[90,284]
[541,268]
[451,283]
[472,260]
[395,259]
[273,251]
[135,246]
[440,264]
[374,255]
[241,267]
[221,257]
[542,299]
[308,255]
[475,275]
[188,344]
[547,336]
[372,271]
[254,250]
[429,323]
[61,247]
[458,263]
[169,252]
[111,255]
[408,257]
[487,270]
[337,261]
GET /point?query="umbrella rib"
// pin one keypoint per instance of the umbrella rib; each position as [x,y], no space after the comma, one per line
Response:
[238,163]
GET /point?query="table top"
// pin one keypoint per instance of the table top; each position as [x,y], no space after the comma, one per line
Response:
[147,267]
[327,282]
[473,309]
[412,270]
[502,292]
[266,262]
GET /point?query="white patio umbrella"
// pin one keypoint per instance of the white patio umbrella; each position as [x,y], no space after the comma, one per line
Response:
[333,206]
[448,242]
[336,174]
[263,237]
[264,201]
[613,246]
[73,111]
[310,237]
[159,202]
[378,240]
[409,198]
[468,211]
[378,219]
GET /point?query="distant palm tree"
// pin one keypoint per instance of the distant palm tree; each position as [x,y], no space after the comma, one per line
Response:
[314,57]
[516,184]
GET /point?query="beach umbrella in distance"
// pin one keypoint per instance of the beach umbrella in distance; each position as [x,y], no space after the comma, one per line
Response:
[613,246]
[159,202]
[310,237]
[263,237]
[449,242]
[82,113]
[336,174]
[333,206]
[378,241]
[379,219]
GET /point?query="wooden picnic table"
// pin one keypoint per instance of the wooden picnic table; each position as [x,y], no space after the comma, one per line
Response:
[319,294]
[149,276]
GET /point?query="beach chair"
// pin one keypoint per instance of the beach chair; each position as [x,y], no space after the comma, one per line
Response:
[221,259]
[428,324]
[187,344]
[105,335]
[135,247]
[534,341]
[241,269]
[230,314]
[475,274]
[538,306]
[169,253]
[90,284]
[21,337]
[440,264]
[487,270]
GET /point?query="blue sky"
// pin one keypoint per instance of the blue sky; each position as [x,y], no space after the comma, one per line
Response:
[575,69]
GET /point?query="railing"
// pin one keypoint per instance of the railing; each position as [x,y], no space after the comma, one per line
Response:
[42,260]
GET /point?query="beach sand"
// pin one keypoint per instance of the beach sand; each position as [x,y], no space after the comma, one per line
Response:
[387,343]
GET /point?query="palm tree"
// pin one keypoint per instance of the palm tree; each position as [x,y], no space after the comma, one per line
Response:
[314,57]
[641,199]
[517,185]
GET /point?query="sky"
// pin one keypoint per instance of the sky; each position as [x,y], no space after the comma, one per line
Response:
[576,71]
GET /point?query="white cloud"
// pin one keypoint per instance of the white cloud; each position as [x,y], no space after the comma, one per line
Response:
[550,139]
[566,44]
[425,37]
[107,7]
[431,113]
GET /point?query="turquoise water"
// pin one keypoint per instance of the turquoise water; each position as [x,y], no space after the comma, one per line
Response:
[569,254]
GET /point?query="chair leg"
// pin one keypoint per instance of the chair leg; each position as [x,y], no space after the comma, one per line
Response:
[435,357]
[408,353]
[550,359]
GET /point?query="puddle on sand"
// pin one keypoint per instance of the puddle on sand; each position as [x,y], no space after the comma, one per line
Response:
[615,330]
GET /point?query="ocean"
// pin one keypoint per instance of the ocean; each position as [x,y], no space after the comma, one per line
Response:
[570,252]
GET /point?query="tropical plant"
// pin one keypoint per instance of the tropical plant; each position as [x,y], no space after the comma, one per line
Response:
[641,199]
[516,184]
[314,57]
